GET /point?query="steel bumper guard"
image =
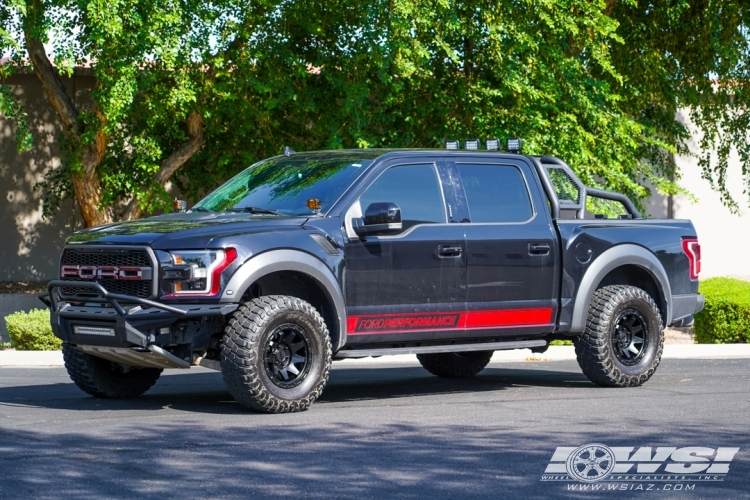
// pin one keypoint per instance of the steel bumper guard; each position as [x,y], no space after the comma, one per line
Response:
[122,333]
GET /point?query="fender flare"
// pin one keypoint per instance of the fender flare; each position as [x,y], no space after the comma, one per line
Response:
[290,260]
[611,259]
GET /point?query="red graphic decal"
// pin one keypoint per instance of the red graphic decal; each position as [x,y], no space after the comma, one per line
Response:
[388,323]
[507,318]
[470,320]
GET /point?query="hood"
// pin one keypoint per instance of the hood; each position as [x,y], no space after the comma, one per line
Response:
[182,230]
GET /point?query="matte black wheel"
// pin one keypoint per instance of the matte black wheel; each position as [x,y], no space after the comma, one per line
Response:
[276,354]
[106,379]
[455,364]
[624,337]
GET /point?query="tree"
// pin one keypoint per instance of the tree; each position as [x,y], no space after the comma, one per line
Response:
[191,92]
[117,160]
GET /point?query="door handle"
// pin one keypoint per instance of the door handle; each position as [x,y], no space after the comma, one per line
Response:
[539,249]
[449,251]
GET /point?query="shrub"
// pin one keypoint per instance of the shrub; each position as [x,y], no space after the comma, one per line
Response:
[31,331]
[725,318]
[561,342]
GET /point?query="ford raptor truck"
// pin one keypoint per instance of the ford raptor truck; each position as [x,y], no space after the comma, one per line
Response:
[305,258]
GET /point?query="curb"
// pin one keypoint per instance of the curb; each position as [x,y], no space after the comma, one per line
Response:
[43,359]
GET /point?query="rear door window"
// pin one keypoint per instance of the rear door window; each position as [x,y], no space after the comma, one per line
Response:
[495,193]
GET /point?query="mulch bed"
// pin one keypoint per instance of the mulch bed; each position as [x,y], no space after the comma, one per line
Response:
[23,286]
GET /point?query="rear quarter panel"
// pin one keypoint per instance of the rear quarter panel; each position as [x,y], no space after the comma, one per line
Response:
[585,241]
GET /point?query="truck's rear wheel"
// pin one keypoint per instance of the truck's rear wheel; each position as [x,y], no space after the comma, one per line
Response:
[624,337]
[276,354]
[106,379]
[455,364]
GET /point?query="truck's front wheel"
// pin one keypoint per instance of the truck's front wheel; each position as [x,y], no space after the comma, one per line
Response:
[106,379]
[276,354]
[624,337]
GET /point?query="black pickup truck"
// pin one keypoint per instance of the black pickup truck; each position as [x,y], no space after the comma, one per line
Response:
[306,258]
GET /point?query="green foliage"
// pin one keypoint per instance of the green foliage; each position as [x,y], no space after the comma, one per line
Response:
[6,345]
[561,342]
[14,111]
[598,83]
[726,316]
[31,331]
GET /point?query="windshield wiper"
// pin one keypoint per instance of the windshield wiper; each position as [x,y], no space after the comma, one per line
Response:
[256,210]
[200,209]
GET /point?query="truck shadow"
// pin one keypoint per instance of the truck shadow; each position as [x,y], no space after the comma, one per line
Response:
[204,392]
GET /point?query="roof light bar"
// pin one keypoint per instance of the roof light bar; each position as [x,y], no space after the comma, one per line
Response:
[471,144]
[513,145]
[493,144]
[452,144]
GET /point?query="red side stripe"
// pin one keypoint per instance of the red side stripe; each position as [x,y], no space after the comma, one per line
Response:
[506,317]
[469,320]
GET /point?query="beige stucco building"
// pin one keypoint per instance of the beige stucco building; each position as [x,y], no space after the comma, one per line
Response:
[724,238]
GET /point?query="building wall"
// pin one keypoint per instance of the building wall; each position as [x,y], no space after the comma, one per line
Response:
[29,245]
[724,238]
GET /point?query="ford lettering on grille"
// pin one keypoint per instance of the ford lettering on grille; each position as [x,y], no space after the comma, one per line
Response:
[130,273]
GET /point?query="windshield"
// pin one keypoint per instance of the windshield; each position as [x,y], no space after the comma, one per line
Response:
[287,186]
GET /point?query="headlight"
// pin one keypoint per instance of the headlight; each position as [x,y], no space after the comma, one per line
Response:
[198,272]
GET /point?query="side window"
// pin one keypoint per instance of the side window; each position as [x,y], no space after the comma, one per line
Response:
[416,191]
[495,193]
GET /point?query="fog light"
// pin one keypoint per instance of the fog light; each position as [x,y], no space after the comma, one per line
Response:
[94,330]
[471,144]
[493,144]
[451,144]
[513,145]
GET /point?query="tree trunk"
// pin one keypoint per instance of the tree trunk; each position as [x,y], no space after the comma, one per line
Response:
[86,183]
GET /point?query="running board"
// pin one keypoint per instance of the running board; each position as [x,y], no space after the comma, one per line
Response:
[493,346]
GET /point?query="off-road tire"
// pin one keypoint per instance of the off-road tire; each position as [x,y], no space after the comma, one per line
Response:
[247,336]
[105,379]
[597,350]
[455,364]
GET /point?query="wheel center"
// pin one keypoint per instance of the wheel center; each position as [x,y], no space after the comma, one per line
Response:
[282,356]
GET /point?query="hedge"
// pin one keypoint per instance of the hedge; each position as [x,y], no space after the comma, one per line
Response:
[725,319]
[31,331]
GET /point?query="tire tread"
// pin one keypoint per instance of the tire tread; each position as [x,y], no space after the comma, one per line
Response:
[592,347]
[241,346]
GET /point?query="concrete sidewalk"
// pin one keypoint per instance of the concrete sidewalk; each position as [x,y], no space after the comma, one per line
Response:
[554,353]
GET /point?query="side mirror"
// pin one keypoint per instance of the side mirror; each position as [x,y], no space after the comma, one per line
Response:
[379,218]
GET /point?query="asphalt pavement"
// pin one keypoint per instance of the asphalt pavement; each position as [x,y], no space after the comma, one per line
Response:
[380,430]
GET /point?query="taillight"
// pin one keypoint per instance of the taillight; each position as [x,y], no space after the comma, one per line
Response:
[692,249]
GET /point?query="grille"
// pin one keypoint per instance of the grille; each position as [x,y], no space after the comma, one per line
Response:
[139,258]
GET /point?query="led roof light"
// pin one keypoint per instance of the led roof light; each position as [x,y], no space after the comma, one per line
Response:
[471,144]
[493,144]
[513,145]
[452,144]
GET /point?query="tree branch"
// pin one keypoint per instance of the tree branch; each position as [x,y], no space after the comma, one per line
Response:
[53,86]
[173,162]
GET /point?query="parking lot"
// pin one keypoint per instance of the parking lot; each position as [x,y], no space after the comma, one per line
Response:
[380,430]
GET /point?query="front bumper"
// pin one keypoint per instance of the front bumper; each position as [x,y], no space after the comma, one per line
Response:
[129,322]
